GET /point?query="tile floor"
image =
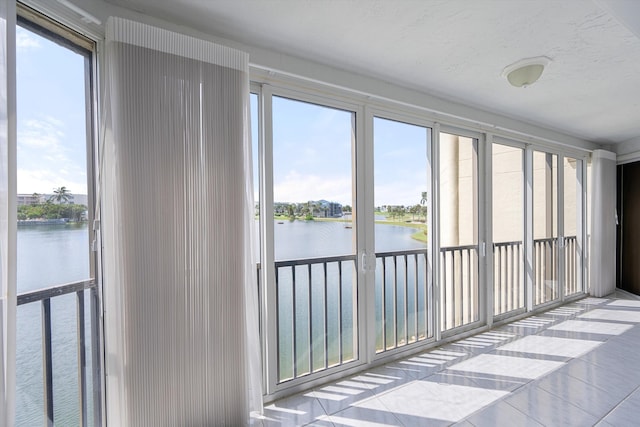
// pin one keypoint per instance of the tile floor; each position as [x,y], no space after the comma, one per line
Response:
[576,365]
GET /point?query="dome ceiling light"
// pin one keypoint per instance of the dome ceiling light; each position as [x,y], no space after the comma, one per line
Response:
[526,72]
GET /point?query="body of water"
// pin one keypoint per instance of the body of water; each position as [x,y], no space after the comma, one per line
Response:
[49,255]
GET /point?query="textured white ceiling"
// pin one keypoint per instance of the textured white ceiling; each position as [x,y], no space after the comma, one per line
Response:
[456,49]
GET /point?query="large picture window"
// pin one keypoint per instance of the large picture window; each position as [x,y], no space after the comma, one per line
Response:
[57,353]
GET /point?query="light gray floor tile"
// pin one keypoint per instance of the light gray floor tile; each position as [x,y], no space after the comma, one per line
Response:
[624,303]
[436,401]
[583,395]
[617,385]
[336,397]
[507,366]
[592,327]
[502,414]
[628,316]
[548,409]
[626,413]
[297,410]
[481,381]
[356,416]
[320,423]
[552,346]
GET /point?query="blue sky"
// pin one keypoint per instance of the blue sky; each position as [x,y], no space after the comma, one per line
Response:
[50,116]
[313,157]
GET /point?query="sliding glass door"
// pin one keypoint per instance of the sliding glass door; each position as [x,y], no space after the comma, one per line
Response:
[545,227]
[508,228]
[314,237]
[403,292]
[459,278]
[572,225]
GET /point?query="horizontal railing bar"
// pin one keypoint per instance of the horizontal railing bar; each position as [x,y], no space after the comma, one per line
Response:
[546,240]
[293,262]
[288,263]
[499,244]
[400,253]
[46,293]
[458,248]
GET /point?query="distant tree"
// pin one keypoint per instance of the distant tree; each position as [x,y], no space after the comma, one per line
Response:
[423,212]
[291,211]
[309,211]
[78,212]
[413,210]
[61,195]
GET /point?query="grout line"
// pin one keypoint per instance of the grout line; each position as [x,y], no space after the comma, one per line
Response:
[619,403]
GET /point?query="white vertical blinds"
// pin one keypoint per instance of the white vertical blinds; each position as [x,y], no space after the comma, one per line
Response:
[180,276]
[7,214]
[602,253]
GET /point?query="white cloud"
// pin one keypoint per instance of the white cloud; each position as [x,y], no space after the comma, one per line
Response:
[298,188]
[44,133]
[43,160]
[44,181]
[26,40]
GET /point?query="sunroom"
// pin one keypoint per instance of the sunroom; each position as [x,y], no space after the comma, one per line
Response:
[316,202]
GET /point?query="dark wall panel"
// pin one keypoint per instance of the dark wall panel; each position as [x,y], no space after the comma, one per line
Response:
[629,235]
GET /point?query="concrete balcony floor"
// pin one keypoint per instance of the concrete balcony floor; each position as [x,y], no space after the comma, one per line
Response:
[576,365]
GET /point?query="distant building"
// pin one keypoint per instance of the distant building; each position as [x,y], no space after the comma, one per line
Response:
[35,198]
[29,199]
[329,209]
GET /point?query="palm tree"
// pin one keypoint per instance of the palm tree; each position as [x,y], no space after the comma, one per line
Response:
[61,195]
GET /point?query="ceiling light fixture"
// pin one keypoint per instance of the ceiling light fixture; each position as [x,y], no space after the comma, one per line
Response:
[526,71]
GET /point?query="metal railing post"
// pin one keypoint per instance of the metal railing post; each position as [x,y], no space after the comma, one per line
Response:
[47,362]
[82,360]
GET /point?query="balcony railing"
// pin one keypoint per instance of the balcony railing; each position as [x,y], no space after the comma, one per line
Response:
[545,266]
[403,298]
[572,266]
[44,297]
[459,286]
[317,298]
[316,314]
[508,287]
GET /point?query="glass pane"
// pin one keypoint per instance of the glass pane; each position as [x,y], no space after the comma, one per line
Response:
[458,230]
[255,156]
[313,192]
[508,228]
[587,216]
[545,227]
[53,235]
[572,211]
[401,211]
